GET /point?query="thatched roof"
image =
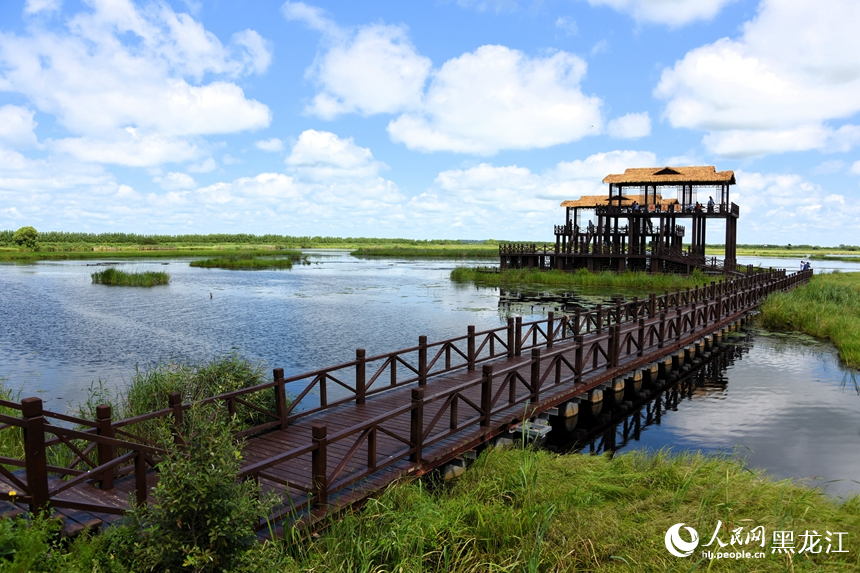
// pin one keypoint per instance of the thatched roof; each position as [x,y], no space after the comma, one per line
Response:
[702,175]
[592,201]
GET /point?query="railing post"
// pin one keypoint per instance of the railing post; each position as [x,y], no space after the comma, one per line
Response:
[616,346]
[635,314]
[422,360]
[470,346]
[652,305]
[35,458]
[511,337]
[662,330]
[360,373]
[416,425]
[319,465]
[599,318]
[577,321]
[486,394]
[140,478]
[641,336]
[280,396]
[535,376]
[105,452]
[174,402]
[518,335]
[550,327]
[610,348]
[678,322]
[578,359]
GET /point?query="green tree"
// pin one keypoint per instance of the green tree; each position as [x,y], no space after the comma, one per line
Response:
[26,237]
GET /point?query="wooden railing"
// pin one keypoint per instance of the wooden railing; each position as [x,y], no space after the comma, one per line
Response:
[602,342]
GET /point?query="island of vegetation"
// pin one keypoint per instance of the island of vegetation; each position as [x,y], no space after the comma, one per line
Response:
[116,277]
[251,261]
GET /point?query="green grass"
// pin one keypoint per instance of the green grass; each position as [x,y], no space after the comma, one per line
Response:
[582,277]
[115,277]
[441,251]
[11,438]
[828,307]
[522,511]
[251,261]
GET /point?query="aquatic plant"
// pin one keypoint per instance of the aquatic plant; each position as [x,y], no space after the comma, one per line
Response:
[439,251]
[115,277]
[581,277]
[828,307]
[251,261]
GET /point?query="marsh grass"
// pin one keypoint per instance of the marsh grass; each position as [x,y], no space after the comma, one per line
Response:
[581,277]
[251,261]
[116,277]
[11,437]
[441,251]
[521,510]
[828,307]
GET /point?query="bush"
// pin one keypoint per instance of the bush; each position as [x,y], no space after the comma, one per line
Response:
[26,237]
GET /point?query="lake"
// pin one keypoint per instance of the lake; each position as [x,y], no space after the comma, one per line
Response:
[785,400]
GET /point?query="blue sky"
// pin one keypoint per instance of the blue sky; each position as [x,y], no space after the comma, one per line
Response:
[466,119]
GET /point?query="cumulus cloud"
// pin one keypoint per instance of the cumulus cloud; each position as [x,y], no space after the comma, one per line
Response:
[779,87]
[17,125]
[35,6]
[630,126]
[670,12]
[498,98]
[174,181]
[491,5]
[272,145]
[127,147]
[480,102]
[119,66]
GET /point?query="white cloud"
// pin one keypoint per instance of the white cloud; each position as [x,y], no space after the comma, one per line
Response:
[498,98]
[35,6]
[671,12]
[855,168]
[174,181]
[204,166]
[127,147]
[567,25]
[17,125]
[376,71]
[272,145]
[493,5]
[118,66]
[795,70]
[630,126]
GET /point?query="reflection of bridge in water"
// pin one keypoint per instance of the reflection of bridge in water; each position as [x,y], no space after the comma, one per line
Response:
[621,418]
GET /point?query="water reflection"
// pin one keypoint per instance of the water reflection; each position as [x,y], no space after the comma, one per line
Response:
[782,402]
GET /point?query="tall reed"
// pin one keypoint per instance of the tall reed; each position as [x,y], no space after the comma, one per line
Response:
[581,277]
[116,277]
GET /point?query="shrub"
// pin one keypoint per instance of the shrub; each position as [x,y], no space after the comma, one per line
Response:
[26,237]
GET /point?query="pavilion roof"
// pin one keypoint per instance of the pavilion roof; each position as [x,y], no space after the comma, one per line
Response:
[591,201]
[700,175]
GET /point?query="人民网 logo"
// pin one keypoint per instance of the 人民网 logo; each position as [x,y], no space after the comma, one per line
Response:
[677,546]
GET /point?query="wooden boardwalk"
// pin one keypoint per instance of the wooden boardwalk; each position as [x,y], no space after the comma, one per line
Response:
[349,430]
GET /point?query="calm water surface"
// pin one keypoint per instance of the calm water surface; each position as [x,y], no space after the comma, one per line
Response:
[787,400]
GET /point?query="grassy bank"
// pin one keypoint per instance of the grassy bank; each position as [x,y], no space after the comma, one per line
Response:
[115,277]
[251,261]
[439,251]
[828,307]
[632,280]
[519,510]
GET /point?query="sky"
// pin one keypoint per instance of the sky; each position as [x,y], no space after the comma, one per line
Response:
[448,119]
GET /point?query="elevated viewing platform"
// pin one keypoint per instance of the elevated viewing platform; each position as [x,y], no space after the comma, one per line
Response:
[637,225]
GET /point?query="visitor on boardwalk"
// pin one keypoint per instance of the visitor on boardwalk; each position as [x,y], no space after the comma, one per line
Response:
[710,204]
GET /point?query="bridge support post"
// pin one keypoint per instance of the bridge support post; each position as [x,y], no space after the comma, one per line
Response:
[360,376]
[105,452]
[416,425]
[486,394]
[35,459]
[319,463]
[280,396]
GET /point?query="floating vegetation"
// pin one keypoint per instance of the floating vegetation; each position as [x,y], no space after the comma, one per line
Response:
[114,277]
[251,261]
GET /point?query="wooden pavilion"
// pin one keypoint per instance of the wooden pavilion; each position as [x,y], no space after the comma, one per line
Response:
[638,226]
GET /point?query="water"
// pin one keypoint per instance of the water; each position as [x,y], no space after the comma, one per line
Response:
[786,400]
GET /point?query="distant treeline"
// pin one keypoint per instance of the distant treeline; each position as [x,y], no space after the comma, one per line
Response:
[790,247]
[6,239]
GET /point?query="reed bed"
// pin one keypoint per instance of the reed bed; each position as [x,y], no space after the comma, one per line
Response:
[251,261]
[437,252]
[116,277]
[828,307]
[581,277]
